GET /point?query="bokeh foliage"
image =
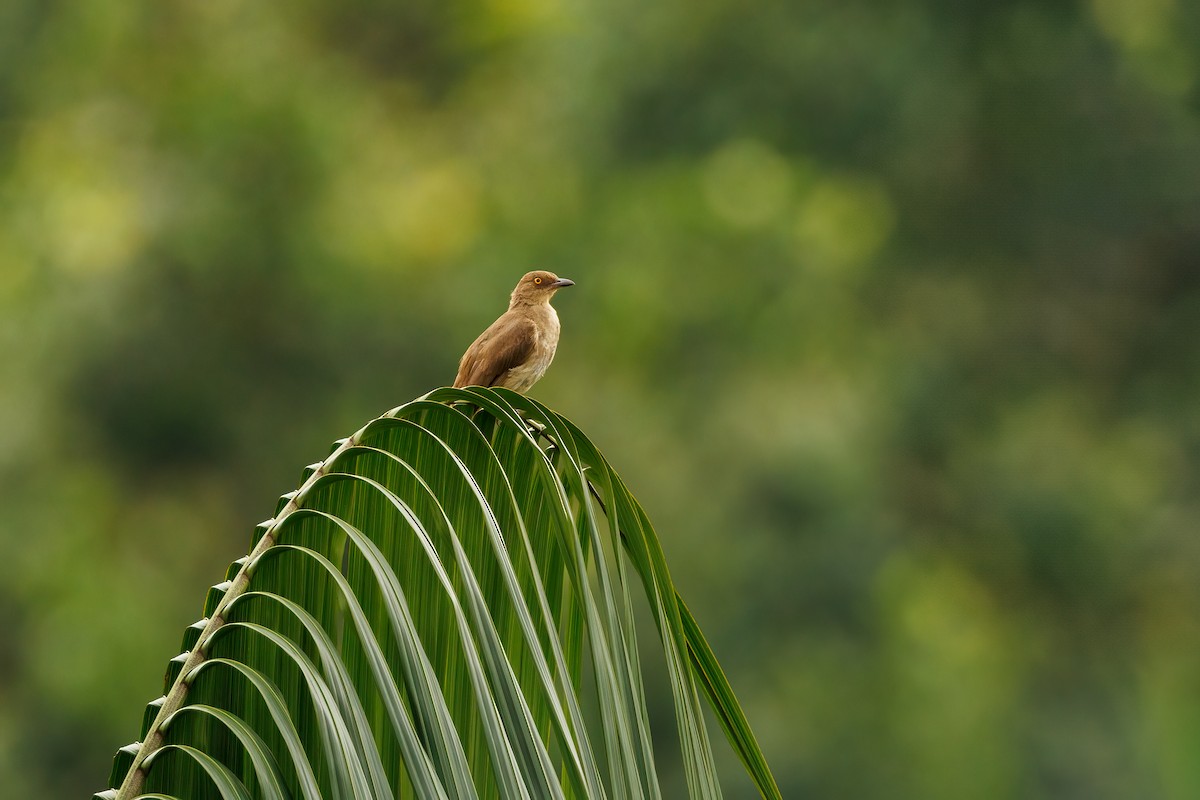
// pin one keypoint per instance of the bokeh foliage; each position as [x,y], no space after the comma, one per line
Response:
[887,312]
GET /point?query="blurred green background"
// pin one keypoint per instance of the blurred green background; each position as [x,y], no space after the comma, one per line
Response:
[888,312]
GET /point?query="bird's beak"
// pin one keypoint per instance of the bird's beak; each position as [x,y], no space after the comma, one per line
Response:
[561,282]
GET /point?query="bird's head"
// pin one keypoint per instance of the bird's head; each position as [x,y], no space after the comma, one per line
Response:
[538,287]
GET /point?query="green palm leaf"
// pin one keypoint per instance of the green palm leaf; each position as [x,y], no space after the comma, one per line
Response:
[444,609]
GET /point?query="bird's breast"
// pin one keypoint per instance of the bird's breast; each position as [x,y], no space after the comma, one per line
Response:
[551,329]
[545,342]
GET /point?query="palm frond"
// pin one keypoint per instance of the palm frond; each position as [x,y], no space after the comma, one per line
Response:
[445,608]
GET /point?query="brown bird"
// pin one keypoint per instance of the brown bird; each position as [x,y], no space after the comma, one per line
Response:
[516,349]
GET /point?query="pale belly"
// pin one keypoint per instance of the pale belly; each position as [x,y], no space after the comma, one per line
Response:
[521,378]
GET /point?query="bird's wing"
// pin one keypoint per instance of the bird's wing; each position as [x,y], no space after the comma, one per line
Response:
[507,343]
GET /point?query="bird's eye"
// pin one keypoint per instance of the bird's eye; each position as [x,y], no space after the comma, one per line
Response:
[538,281]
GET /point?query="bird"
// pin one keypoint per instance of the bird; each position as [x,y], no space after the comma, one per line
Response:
[515,350]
